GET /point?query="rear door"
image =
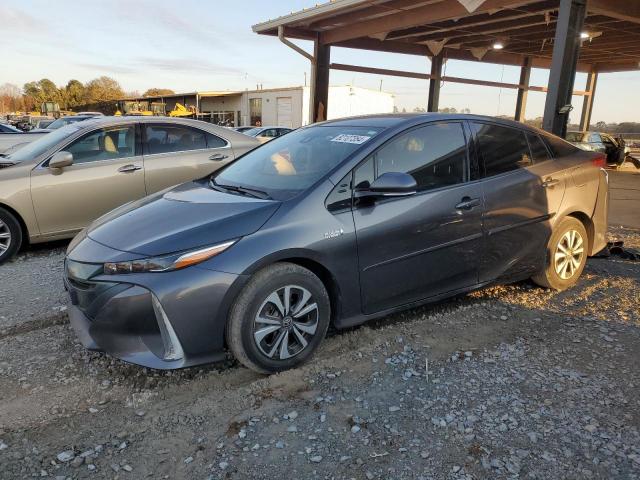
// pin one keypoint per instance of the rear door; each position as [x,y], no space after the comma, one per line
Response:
[106,173]
[176,153]
[522,189]
[413,248]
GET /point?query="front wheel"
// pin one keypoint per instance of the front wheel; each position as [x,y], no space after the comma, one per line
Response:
[279,318]
[566,255]
[10,235]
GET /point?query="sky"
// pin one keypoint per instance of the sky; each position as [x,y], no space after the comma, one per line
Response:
[203,45]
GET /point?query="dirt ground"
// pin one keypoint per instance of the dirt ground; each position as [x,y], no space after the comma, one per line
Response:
[507,382]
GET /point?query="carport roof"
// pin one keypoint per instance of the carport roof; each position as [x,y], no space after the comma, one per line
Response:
[468,29]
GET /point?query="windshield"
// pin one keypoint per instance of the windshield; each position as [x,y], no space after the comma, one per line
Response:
[252,131]
[61,122]
[574,136]
[42,144]
[292,163]
[9,128]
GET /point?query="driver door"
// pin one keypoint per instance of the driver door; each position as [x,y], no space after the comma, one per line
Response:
[107,172]
[416,247]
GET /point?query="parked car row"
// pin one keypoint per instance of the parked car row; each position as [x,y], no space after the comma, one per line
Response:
[335,223]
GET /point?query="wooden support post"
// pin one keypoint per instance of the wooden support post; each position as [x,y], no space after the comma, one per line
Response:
[587,103]
[320,82]
[523,89]
[434,83]
[563,65]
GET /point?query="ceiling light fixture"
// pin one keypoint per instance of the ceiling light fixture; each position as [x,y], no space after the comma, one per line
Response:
[498,46]
[584,35]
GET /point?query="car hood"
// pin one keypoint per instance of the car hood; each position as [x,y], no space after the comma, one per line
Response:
[188,216]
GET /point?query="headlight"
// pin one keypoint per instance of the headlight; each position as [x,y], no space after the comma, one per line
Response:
[167,263]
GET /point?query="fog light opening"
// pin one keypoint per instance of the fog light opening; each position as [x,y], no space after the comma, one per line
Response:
[172,348]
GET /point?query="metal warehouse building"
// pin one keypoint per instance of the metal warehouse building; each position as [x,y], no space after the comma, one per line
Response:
[287,107]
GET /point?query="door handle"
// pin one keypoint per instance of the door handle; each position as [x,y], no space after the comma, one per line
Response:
[218,156]
[468,203]
[129,168]
[550,182]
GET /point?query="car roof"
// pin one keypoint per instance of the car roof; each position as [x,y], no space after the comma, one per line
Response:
[112,120]
[399,119]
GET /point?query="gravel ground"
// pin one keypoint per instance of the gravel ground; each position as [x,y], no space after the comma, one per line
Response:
[507,382]
[38,271]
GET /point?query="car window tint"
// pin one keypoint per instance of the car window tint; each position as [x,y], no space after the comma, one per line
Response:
[340,196]
[213,141]
[173,138]
[503,149]
[539,151]
[271,132]
[104,144]
[558,147]
[364,175]
[435,155]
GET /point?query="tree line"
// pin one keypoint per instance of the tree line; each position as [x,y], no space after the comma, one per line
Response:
[72,95]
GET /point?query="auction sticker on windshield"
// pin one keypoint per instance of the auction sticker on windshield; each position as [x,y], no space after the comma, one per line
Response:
[355,139]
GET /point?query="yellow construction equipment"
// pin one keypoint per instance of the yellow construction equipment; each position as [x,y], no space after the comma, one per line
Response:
[181,111]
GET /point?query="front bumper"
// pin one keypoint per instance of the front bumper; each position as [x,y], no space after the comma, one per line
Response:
[159,320]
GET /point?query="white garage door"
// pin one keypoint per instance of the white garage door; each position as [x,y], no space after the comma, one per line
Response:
[284,112]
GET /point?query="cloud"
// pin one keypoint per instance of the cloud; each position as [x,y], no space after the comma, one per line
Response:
[181,65]
[171,22]
[21,22]
[113,69]
[146,65]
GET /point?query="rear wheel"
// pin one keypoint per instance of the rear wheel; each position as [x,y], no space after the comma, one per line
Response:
[566,255]
[279,318]
[10,235]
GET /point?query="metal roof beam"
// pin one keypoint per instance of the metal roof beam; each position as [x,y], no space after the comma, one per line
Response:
[443,10]
[628,10]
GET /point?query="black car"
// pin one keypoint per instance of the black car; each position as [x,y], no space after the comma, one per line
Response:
[335,223]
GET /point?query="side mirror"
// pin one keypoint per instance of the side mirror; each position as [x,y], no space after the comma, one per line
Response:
[61,159]
[390,184]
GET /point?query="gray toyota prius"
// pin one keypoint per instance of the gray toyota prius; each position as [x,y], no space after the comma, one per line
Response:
[333,224]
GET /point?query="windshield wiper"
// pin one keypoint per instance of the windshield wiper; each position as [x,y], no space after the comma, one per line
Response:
[252,192]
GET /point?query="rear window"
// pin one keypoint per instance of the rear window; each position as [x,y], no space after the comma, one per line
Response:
[560,148]
[539,151]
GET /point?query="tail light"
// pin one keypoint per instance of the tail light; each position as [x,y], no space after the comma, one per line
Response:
[600,160]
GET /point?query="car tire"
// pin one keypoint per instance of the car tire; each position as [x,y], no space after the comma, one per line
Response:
[268,333]
[10,235]
[566,255]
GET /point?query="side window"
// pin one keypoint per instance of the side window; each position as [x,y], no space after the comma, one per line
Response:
[560,148]
[594,138]
[213,141]
[503,149]
[172,138]
[340,196]
[363,175]
[270,133]
[539,151]
[435,155]
[104,144]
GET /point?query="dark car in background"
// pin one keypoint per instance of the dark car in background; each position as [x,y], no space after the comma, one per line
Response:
[336,223]
[266,134]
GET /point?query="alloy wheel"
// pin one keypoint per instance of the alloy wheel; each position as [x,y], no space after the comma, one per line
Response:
[568,255]
[5,237]
[286,322]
